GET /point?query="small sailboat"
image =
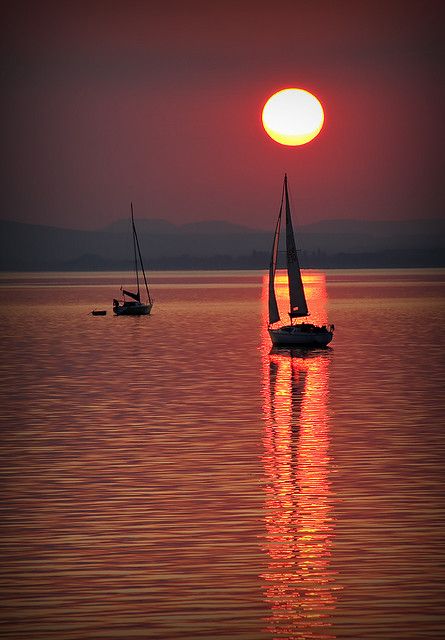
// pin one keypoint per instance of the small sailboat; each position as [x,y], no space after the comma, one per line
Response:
[303,334]
[134,306]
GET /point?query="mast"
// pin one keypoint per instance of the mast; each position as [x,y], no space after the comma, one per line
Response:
[136,241]
[134,249]
[274,314]
[297,299]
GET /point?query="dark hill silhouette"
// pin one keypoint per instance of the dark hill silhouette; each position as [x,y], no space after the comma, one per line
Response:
[334,242]
[145,225]
[159,226]
[215,227]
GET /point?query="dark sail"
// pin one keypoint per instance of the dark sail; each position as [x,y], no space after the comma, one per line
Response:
[298,305]
[135,296]
[274,314]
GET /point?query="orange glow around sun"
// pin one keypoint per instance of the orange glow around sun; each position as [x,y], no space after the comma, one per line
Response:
[293,117]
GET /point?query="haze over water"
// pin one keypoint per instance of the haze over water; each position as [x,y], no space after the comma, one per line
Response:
[170,477]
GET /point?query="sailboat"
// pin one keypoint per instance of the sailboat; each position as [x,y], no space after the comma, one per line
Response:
[303,334]
[134,306]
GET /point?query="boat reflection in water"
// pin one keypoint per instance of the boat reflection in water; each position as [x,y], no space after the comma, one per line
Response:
[299,584]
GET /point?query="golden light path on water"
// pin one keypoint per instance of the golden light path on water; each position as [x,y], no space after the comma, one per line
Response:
[171,477]
[299,584]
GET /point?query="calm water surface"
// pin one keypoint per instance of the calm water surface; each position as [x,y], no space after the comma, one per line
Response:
[170,477]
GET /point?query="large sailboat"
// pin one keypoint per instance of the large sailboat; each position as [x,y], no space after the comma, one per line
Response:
[303,334]
[134,306]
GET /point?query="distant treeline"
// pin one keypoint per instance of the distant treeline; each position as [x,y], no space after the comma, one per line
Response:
[220,245]
[256,260]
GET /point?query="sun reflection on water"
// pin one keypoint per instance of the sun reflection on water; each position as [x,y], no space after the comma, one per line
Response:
[314,283]
[299,584]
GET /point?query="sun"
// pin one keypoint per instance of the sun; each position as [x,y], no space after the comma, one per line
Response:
[293,117]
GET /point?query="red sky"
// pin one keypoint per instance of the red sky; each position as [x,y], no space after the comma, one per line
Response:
[160,103]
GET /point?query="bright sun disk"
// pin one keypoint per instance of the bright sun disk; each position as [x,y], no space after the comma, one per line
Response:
[293,117]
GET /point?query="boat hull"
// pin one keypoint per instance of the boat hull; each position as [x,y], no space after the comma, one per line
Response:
[301,336]
[130,309]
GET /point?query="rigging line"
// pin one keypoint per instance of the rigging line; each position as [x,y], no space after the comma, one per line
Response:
[142,264]
[134,247]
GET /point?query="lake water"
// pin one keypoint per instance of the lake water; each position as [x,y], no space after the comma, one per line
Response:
[168,477]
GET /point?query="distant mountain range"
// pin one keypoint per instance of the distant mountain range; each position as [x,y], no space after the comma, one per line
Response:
[220,244]
[162,227]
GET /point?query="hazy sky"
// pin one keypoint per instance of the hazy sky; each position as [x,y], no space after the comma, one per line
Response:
[160,103]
